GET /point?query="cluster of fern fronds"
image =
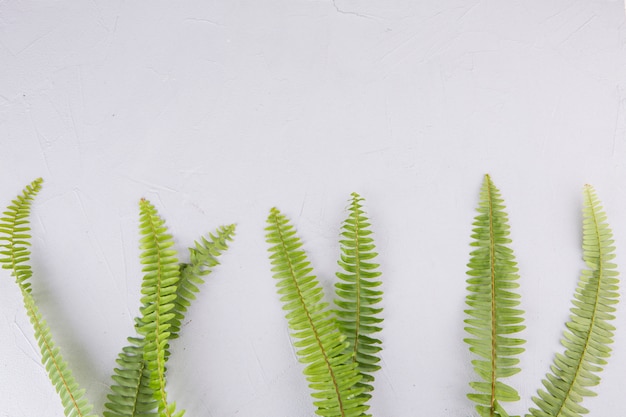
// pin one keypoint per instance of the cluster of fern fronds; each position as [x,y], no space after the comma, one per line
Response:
[337,345]
[494,316]
[168,287]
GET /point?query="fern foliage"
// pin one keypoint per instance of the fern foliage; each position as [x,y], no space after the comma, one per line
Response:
[493,302]
[320,344]
[358,293]
[132,394]
[202,258]
[15,227]
[161,276]
[588,333]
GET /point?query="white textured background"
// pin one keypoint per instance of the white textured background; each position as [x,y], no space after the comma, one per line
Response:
[218,110]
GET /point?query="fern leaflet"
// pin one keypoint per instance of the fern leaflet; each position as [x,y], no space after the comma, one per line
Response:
[320,344]
[492,300]
[15,226]
[357,316]
[588,334]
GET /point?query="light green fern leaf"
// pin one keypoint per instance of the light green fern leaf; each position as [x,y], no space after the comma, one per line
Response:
[492,300]
[588,334]
[320,344]
[203,257]
[357,293]
[161,276]
[14,227]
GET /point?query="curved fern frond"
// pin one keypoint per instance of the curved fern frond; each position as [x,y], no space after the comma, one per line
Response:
[14,225]
[357,316]
[203,257]
[588,334]
[159,285]
[492,300]
[320,344]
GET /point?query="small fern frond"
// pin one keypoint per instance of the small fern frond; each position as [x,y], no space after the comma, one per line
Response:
[320,344]
[15,225]
[131,394]
[159,285]
[588,334]
[203,257]
[357,296]
[492,300]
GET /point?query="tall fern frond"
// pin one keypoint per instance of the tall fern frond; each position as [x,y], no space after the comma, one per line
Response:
[14,225]
[320,344]
[588,334]
[357,296]
[492,300]
[159,286]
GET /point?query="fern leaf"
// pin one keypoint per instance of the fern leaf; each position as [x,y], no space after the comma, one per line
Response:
[14,225]
[588,334]
[159,286]
[357,296]
[319,342]
[203,257]
[131,392]
[492,300]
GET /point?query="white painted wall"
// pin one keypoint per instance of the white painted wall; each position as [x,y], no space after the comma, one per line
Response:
[217,111]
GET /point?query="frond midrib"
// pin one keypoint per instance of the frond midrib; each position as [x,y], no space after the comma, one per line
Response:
[595,304]
[308,316]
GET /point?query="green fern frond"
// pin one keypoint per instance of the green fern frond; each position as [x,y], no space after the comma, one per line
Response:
[203,256]
[131,394]
[357,296]
[320,344]
[588,334]
[162,274]
[15,225]
[492,300]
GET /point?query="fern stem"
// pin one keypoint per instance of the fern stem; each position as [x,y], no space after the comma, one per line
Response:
[357,272]
[308,315]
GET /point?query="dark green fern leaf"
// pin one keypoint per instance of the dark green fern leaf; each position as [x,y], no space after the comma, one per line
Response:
[320,344]
[161,276]
[131,394]
[588,334]
[492,300]
[357,296]
[14,226]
